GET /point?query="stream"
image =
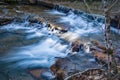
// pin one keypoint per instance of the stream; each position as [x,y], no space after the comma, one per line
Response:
[25,45]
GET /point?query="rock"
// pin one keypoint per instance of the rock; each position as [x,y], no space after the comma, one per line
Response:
[58,70]
[56,28]
[115,22]
[32,20]
[63,31]
[101,56]
[36,19]
[60,74]
[5,20]
[100,53]
[37,73]
[46,4]
[90,74]
[33,1]
[75,46]
[72,64]
[2,3]
[96,46]
[61,67]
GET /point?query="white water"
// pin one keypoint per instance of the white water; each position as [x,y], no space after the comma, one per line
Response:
[54,12]
[80,25]
[41,54]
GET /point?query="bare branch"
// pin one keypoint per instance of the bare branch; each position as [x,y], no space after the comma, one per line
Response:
[112,5]
[87,6]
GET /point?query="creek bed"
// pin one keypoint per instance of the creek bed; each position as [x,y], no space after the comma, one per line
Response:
[25,46]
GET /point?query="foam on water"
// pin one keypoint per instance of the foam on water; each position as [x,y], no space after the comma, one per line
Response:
[13,26]
[80,25]
[55,12]
[41,54]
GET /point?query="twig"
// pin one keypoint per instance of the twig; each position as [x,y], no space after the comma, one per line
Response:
[112,5]
[79,73]
[87,6]
[116,76]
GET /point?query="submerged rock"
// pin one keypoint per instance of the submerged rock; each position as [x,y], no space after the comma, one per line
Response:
[41,74]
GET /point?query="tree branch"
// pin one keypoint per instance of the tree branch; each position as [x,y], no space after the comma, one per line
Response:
[112,5]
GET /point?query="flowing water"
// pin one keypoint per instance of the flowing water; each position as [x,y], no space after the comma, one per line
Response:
[24,45]
[86,27]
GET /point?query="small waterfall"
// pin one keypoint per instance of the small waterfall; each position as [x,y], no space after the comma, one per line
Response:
[89,17]
[62,8]
[73,17]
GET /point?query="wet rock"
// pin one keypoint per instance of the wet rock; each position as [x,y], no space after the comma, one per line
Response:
[60,67]
[63,31]
[56,28]
[37,19]
[89,16]
[33,1]
[78,12]
[90,74]
[5,20]
[97,46]
[75,46]
[36,73]
[72,64]
[115,22]
[100,53]
[32,20]
[41,74]
[46,4]
[21,16]
[3,3]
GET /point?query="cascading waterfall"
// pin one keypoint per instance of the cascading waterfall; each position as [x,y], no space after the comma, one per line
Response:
[79,21]
[88,22]
[89,17]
